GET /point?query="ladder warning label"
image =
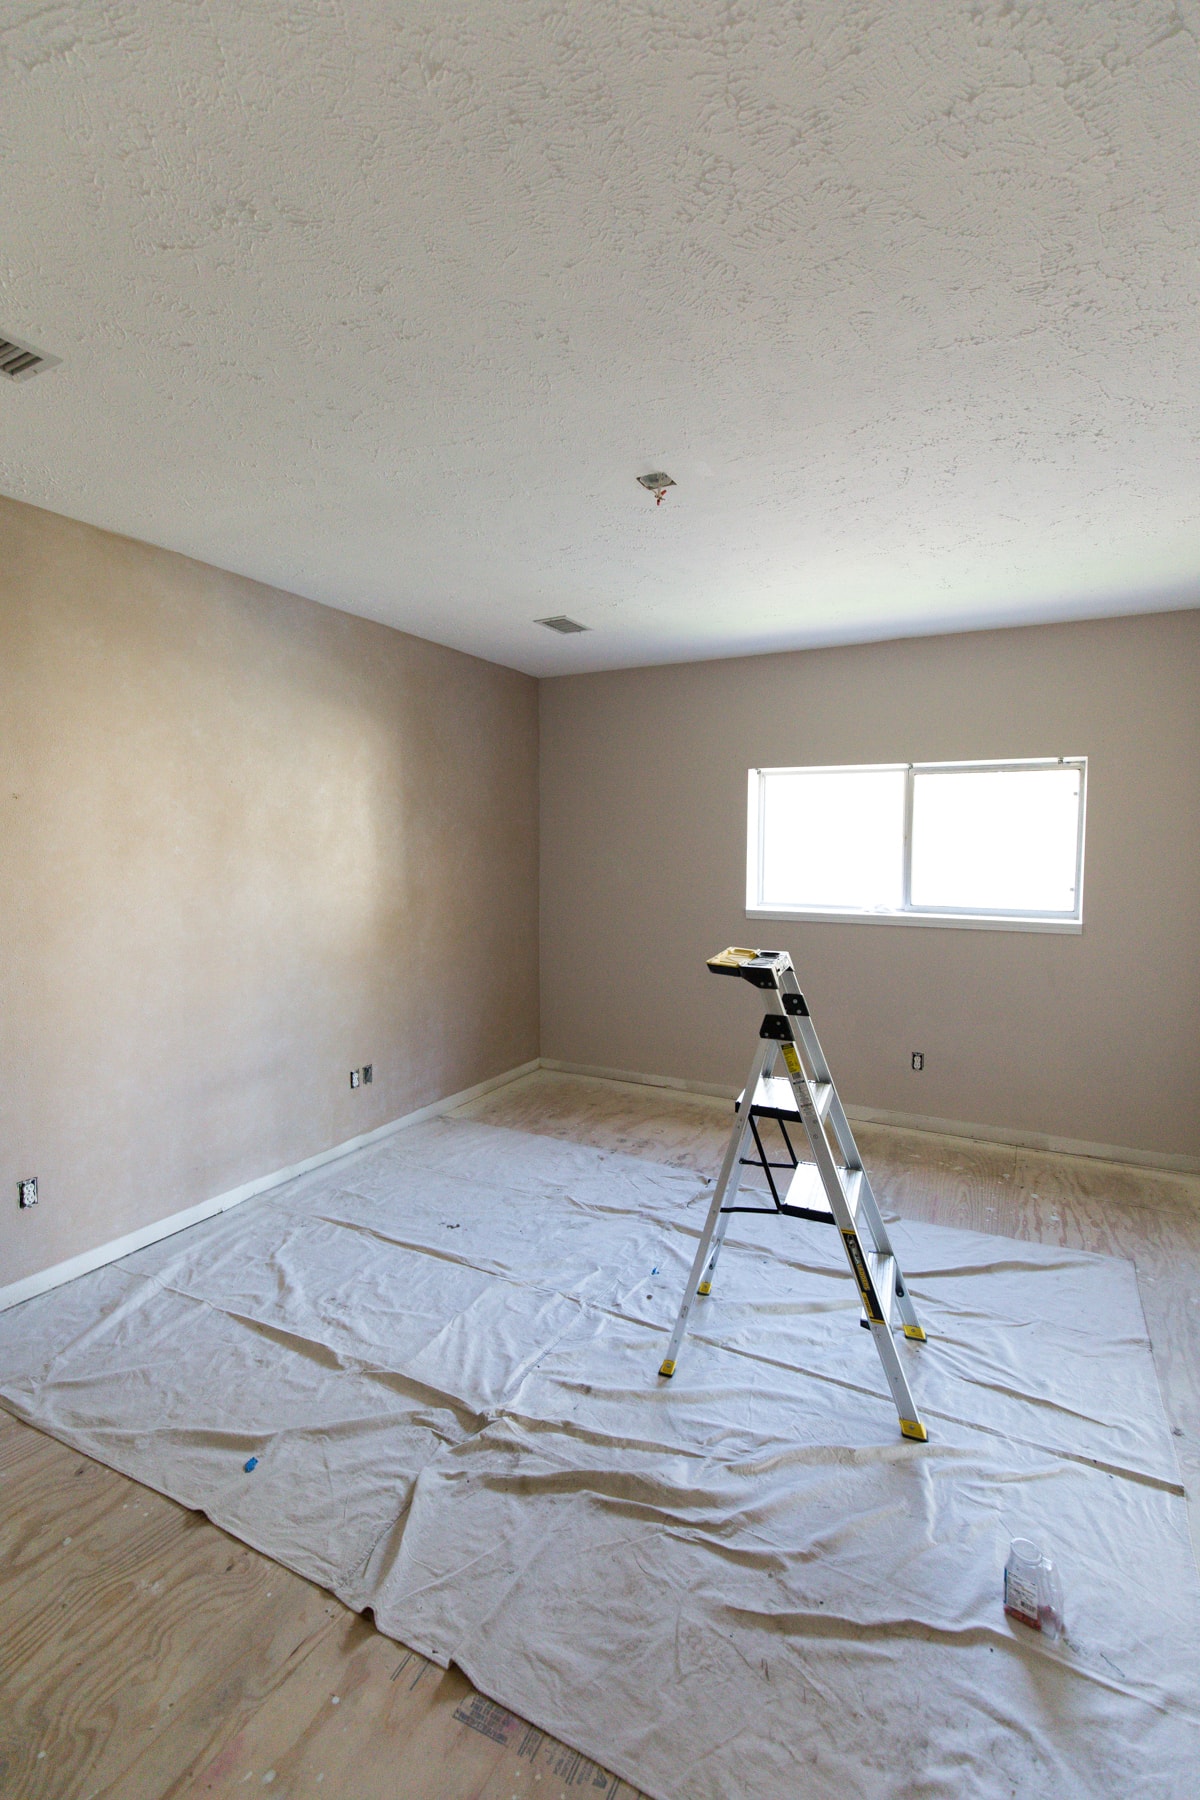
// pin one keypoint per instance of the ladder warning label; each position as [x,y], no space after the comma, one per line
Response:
[854,1252]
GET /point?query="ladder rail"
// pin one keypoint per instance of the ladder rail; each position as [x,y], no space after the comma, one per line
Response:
[851,1158]
[848,1145]
[711,1238]
[807,1033]
[877,1310]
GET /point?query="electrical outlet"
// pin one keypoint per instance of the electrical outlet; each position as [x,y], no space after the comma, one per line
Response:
[918,1061]
[368,1074]
[354,1078]
[27,1192]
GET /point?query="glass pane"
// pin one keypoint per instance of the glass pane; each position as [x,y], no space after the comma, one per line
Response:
[833,837]
[992,840]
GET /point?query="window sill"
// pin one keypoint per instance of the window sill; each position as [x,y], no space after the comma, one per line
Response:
[955,921]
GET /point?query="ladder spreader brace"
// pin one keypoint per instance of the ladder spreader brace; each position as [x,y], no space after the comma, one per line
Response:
[833,1188]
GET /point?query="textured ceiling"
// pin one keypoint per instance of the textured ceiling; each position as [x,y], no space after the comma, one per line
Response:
[389,305]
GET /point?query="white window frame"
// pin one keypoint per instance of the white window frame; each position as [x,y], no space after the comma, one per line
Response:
[908,914]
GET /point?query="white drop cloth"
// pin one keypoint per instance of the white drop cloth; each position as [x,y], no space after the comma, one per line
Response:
[739,1585]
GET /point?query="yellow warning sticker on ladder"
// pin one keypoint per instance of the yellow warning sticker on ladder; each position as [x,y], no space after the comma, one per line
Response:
[858,1264]
[791,1058]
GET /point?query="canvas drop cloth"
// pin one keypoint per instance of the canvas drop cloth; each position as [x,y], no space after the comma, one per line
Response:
[739,1585]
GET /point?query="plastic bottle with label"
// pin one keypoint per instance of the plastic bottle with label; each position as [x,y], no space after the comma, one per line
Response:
[1032,1589]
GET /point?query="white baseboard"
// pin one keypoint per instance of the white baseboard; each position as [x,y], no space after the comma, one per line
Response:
[705,1089]
[873,1115]
[83,1264]
[1031,1140]
[53,1277]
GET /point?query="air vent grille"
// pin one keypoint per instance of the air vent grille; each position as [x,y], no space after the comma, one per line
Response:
[561,623]
[21,361]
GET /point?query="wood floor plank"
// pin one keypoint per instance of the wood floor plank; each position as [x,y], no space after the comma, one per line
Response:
[134,1657]
[19,1445]
[51,1500]
[145,1655]
[431,1736]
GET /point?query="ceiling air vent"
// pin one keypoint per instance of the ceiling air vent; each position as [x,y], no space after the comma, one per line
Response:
[561,623]
[20,361]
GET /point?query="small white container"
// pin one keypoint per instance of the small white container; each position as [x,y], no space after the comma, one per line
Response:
[1032,1589]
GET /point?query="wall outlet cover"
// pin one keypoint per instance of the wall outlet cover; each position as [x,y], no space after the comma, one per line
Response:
[27,1192]
[354,1078]
[918,1061]
[368,1073]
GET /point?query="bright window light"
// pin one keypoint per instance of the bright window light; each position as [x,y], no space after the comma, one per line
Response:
[995,840]
[833,837]
[992,844]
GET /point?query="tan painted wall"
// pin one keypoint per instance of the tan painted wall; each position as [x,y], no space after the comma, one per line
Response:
[1094,1038]
[246,843]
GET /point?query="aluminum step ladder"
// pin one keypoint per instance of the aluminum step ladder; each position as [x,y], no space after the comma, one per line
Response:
[833,1188]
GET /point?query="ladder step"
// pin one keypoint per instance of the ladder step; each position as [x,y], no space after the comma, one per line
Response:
[806,1195]
[883,1273]
[774,1099]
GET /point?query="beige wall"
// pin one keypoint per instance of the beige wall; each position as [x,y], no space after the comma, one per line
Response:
[246,844]
[1093,1038]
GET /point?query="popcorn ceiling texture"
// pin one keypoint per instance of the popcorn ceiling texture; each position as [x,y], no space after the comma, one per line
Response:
[390,305]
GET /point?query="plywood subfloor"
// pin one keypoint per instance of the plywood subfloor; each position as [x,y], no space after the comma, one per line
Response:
[145,1654]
